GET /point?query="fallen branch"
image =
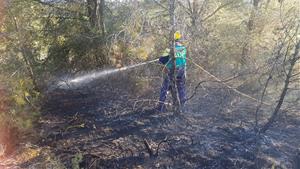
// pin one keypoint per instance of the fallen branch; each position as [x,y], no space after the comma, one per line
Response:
[163,141]
[148,148]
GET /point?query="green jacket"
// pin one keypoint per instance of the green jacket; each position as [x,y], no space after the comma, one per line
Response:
[180,55]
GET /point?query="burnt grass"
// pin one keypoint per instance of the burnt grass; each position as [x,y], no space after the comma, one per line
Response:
[112,124]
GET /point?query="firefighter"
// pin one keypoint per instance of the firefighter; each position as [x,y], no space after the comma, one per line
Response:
[180,53]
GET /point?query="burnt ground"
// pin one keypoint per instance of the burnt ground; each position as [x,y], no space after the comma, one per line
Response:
[111,124]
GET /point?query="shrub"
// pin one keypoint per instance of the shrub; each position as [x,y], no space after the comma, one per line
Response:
[18,112]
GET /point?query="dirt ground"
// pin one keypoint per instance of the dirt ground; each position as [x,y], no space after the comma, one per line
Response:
[111,124]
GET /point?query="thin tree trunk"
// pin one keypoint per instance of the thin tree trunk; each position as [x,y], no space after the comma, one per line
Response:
[102,16]
[293,61]
[29,66]
[91,9]
[25,53]
[96,14]
[247,48]
[176,102]
[278,54]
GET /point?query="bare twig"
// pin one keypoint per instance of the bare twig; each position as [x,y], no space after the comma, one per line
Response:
[201,82]
[148,148]
[218,9]
[163,141]
[262,98]
[195,90]
[161,5]
[92,163]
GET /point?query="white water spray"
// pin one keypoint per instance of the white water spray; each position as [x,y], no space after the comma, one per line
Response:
[89,77]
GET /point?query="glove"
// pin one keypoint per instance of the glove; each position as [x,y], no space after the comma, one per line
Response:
[164,59]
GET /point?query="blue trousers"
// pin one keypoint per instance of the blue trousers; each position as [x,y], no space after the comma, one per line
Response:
[180,83]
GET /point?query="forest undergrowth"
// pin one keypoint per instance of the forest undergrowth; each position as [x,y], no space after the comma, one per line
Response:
[111,125]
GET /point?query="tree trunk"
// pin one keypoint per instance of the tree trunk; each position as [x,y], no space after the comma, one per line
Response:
[175,98]
[247,48]
[29,66]
[102,16]
[96,14]
[91,9]
[293,62]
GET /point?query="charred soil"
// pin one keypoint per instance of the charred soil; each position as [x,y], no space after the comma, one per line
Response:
[113,125]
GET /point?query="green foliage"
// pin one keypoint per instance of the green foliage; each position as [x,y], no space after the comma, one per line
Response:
[19,104]
[76,160]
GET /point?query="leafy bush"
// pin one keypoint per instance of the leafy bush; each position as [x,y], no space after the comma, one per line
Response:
[18,112]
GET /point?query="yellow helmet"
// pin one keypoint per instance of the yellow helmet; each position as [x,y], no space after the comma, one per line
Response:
[177,35]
